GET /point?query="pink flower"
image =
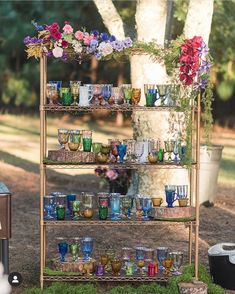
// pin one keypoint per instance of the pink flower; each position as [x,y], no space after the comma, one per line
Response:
[79,35]
[111,174]
[57,52]
[87,39]
[67,29]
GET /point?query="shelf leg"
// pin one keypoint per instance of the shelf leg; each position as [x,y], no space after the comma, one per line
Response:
[190,245]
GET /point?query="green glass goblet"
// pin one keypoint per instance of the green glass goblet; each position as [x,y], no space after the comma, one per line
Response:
[96,147]
[74,249]
[76,209]
[103,212]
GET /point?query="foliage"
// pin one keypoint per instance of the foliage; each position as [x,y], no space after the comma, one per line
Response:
[153,288]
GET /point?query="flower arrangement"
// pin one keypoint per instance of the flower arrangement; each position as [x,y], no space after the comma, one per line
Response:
[114,177]
[61,43]
[195,63]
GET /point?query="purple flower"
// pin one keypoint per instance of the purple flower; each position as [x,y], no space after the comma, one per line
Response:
[117,45]
[201,84]
[95,33]
[49,54]
[104,36]
[27,40]
[90,50]
[112,38]
[205,66]
[203,50]
[94,43]
[127,42]
[98,56]
[37,27]
[64,57]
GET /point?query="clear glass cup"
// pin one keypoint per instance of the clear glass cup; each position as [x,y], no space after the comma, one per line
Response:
[116,95]
[169,147]
[139,150]
[182,191]
[130,152]
[177,260]
[126,206]
[88,200]
[63,137]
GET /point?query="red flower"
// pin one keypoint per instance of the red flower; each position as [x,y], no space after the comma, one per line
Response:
[57,36]
[65,44]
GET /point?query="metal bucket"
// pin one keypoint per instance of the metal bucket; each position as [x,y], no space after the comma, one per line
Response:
[210,157]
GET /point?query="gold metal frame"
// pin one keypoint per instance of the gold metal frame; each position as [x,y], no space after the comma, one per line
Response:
[194,184]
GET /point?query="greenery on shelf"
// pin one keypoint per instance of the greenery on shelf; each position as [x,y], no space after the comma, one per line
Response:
[153,288]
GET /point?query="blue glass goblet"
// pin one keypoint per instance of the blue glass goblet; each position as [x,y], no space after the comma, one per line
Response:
[121,148]
[63,250]
[87,247]
[70,199]
[162,253]
[106,92]
[115,205]
[139,252]
[49,207]
[146,206]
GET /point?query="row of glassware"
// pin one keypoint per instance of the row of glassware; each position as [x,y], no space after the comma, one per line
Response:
[129,261]
[122,150]
[113,206]
[106,94]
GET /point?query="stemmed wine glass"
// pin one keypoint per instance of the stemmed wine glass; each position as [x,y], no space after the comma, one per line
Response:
[74,249]
[139,150]
[162,253]
[169,147]
[116,95]
[177,259]
[63,137]
[52,93]
[176,150]
[113,144]
[97,94]
[63,250]
[74,86]
[127,92]
[106,92]
[147,206]
[87,247]
[126,205]
[49,207]
[121,148]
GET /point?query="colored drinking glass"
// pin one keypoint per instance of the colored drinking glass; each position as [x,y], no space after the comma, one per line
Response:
[87,247]
[115,205]
[121,148]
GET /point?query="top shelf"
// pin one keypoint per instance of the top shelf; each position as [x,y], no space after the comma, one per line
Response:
[122,107]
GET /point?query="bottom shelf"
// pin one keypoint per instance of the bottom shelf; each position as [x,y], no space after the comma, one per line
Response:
[107,278]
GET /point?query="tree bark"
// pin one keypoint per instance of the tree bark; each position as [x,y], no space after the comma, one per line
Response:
[199,18]
[111,18]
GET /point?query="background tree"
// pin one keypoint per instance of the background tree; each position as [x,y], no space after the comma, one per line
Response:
[151,24]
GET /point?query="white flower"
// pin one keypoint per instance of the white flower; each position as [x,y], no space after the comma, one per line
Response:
[77,47]
[105,48]
[57,52]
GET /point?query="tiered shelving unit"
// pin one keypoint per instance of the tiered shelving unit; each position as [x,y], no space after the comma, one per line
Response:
[45,164]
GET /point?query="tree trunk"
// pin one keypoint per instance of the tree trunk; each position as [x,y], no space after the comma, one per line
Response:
[111,18]
[199,18]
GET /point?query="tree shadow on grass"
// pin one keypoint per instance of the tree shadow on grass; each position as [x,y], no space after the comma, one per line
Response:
[82,182]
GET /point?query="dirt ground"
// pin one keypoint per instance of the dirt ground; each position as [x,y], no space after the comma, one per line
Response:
[216,225]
